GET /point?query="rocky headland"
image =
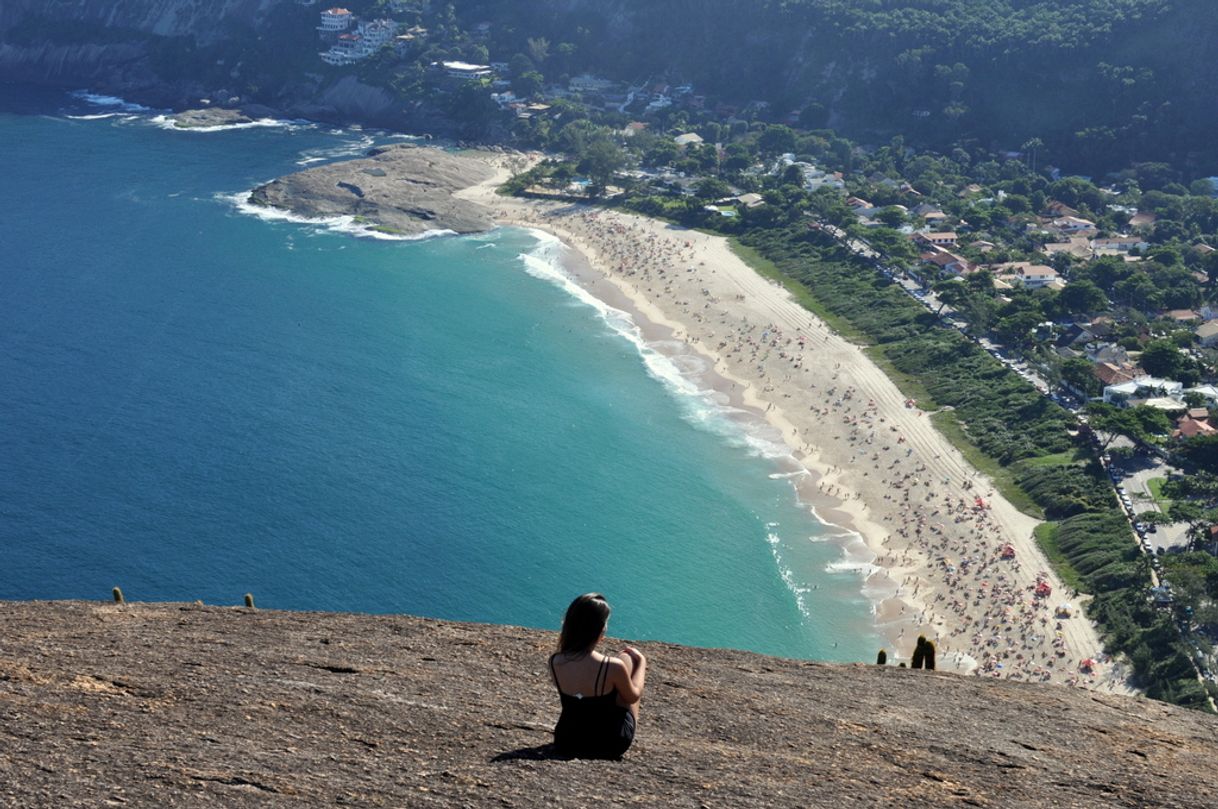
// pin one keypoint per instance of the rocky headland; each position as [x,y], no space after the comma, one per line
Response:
[209,117]
[398,190]
[187,705]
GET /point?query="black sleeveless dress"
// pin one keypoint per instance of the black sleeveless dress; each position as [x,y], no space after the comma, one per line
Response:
[595,726]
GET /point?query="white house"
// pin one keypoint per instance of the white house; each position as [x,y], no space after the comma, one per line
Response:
[1032,276]
[1141,389]
[688,139]
[1209,392]
[377,33]
[1072,224]
[947,239]
[334,20]
[587,83]
[347,50]
[1118,245]
[466,71]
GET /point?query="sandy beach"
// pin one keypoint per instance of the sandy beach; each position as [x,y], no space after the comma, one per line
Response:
[932,528]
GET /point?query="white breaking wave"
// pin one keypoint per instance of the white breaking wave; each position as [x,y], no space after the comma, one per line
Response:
[351,148]
[335,224]
[699,406]
[100,116]
[99,100]
[167,122]
[788,577]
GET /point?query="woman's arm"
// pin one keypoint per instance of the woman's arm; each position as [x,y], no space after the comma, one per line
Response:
[629,678]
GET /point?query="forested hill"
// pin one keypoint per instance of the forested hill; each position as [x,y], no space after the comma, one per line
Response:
[1102,83]
[1097,80]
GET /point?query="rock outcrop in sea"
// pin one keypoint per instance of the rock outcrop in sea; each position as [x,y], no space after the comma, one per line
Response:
[187,705]
[401,190]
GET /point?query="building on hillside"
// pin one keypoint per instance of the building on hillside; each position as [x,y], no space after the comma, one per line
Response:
[465,71]
[1207,334]
[1142,220]
[408,6]
[688,139]
[410,40]
[377,34]
[1056,210]
[1073,224]
[347,50]
[587,83]
[1118,245]
[1076,246]
[335,20]
[938,239]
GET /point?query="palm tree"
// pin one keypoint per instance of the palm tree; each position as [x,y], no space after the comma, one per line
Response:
[1032,147]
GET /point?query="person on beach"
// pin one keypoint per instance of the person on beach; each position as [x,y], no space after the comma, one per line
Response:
[599,694]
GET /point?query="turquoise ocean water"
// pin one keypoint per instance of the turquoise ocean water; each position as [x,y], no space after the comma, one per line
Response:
[198,403]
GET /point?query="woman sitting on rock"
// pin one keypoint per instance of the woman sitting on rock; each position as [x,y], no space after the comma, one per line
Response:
[600,694]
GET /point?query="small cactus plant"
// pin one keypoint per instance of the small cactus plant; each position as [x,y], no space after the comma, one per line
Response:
[928,655]
[919,654]
[249,600]
[882,658]
[118,596]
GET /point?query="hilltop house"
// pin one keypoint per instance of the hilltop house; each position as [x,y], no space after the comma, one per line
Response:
[367,39]
[687,140]
[335,20]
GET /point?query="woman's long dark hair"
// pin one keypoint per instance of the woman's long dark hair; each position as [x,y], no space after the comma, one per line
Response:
[583,624]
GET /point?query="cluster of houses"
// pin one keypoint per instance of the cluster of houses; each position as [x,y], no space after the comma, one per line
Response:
[1125,383]
[352,39]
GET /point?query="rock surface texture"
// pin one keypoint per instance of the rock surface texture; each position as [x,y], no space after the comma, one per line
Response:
[212,116]
[185,705]
[402,189]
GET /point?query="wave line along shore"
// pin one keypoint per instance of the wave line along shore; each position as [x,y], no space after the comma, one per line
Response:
[876,465]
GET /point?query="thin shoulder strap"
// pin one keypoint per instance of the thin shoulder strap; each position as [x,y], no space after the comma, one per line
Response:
[602,676]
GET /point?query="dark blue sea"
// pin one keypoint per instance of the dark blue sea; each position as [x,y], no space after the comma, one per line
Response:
[198,403]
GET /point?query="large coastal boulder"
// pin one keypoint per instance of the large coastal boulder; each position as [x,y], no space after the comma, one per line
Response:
[186,705]
[401,189]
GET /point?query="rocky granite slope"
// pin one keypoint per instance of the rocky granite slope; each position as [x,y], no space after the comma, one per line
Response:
[400,189]
[185,705]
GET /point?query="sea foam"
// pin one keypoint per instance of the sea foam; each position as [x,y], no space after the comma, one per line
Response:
[334,224]
[167,122]
[99,100]
[700,406]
